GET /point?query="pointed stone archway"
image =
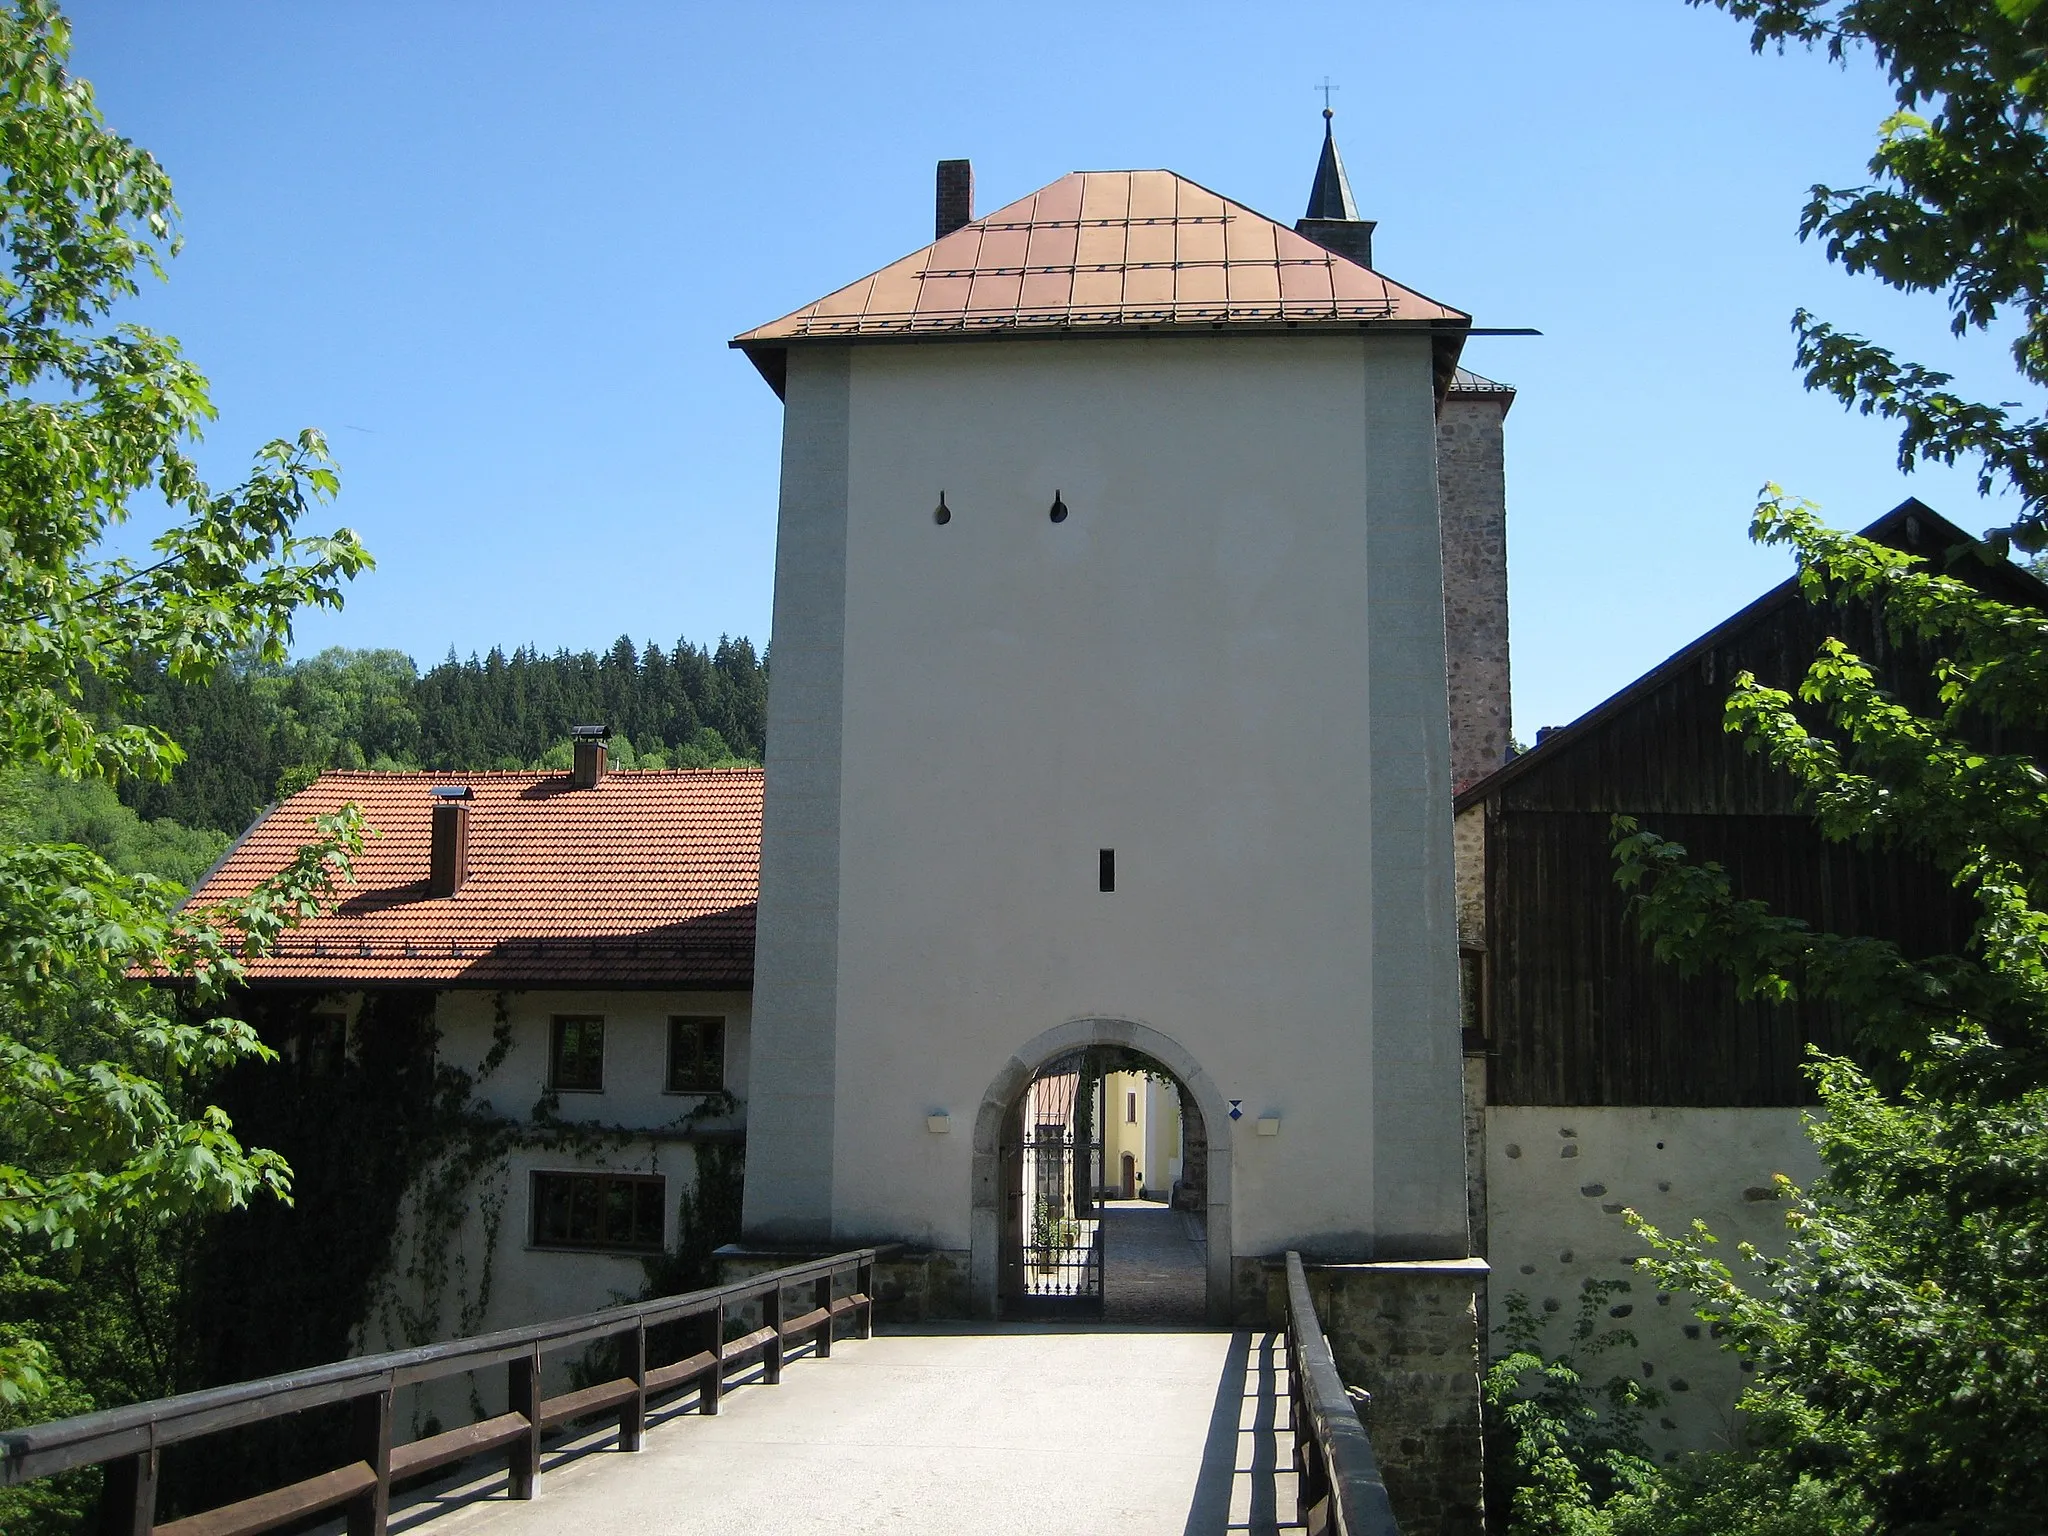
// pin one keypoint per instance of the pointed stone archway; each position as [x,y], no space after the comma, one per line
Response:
[985,1224]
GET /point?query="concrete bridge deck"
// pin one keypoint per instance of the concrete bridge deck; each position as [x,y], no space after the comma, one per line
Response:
[1077,1428]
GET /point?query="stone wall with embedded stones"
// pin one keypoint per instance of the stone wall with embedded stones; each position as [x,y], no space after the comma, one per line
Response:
[1471,481]
[1408,1335]
[915,1286]
[1468,852]
[911,1285]
[1557,1182]
[1475,1148]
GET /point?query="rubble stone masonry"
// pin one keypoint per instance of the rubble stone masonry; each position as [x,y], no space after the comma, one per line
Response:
[1408,1336]
[1472,494]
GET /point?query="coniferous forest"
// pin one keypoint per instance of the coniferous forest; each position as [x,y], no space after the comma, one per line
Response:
[256,732]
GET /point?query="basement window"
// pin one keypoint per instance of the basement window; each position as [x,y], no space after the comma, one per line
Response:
[606,1212]
[576,1053]
[696,1053]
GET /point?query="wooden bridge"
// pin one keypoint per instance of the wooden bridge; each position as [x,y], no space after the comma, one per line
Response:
[1080,1427]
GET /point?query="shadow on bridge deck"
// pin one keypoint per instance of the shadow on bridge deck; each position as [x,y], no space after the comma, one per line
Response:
[1021,1427]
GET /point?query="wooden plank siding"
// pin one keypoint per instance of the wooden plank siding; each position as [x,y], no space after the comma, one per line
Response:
[1577,1010]
[1580,1012]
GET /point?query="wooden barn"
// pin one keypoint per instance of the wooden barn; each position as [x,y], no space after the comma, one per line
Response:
[1600,1079]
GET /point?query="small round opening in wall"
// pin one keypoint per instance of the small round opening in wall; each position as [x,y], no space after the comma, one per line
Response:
[1059,508]
[942,513]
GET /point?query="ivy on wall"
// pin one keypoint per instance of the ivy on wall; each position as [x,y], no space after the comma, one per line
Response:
[394,1153]
[707,1215]
[429,1290]
[274,1287]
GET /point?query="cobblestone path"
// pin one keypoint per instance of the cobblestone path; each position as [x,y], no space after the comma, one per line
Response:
[1155,1266]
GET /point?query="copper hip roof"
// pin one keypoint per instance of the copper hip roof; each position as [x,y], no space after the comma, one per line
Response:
[1107,251]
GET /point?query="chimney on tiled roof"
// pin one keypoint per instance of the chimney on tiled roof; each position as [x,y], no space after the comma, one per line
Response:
[956,197]
[590,754]
[1332,219]
[448,852]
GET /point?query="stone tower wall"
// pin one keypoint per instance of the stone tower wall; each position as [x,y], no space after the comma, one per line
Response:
[1472,491]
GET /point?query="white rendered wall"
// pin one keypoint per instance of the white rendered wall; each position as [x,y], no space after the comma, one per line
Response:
[485,1273]
[491,1276]
[1120,1135]
[1557,1181]
[1226,664]
[635,1050]
[1161,1110]
[796,956]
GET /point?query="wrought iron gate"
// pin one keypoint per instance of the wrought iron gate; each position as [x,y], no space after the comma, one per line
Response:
[1052,1258]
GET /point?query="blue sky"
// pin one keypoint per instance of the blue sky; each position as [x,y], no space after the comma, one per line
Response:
[495,252]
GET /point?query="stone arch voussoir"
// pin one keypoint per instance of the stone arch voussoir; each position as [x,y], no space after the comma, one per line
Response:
[1076,1034]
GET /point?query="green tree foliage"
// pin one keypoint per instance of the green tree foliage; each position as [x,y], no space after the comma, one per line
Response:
[45,807]
[1899,1343]
[102,1127]
[1575,1445]
[342,709]
[1957,208]
[1900,1347]
[671,709]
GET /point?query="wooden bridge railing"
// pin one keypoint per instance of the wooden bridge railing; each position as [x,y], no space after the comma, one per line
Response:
[1337,1479]
[127,1441]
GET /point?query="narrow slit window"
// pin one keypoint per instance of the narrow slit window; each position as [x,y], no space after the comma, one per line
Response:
[1130,1108]
[1106,870]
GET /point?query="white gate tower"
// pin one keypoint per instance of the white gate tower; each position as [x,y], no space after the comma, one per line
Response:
[1108,705]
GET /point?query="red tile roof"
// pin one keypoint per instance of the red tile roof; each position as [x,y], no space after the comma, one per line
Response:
[647,879]
[1106,251]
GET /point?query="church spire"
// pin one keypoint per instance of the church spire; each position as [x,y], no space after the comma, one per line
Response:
[1330,198]
[1332,219]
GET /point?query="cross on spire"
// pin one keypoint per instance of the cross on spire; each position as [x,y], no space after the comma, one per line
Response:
[1331,196]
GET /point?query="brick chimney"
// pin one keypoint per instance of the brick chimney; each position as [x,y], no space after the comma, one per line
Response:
[956,197]
[590,753]
[448,854]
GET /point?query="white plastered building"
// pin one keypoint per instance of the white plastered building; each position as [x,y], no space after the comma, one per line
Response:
[1109,708]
